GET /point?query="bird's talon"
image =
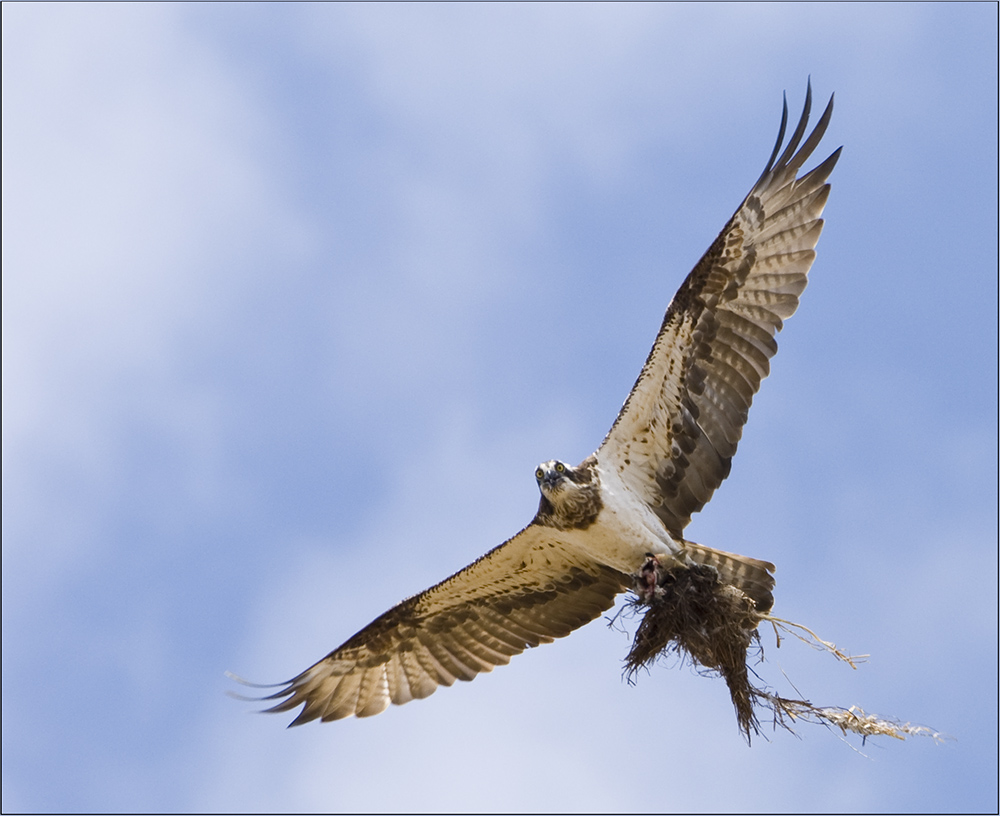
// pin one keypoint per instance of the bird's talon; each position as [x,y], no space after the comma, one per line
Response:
[648,579]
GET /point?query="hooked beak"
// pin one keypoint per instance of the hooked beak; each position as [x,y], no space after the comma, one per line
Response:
[551,479]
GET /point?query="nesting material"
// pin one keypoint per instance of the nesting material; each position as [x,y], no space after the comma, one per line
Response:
[849,720]
[693,615]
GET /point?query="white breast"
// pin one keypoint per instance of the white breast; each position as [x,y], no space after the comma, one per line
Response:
[626,529]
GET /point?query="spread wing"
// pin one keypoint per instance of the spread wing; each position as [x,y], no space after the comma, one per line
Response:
[530,590]
[675,437]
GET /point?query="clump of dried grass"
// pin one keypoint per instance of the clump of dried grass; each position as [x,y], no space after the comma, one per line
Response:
[852,719]
[693,615]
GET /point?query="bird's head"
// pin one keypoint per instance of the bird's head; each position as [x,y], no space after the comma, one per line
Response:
[570,495]
[552,478]
[559,482]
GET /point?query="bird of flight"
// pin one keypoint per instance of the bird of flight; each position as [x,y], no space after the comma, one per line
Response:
[600,524]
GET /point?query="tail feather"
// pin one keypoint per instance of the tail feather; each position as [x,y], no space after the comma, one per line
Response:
[749,575]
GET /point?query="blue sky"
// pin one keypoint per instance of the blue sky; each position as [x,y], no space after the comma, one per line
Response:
[295,298]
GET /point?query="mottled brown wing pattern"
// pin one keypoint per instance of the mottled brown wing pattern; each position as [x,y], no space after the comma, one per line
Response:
[530,590]
[675,437]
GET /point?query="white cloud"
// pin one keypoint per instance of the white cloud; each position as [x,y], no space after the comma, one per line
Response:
[139,202]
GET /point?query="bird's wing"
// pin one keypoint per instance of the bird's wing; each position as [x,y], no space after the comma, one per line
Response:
[527,591]
[675,437]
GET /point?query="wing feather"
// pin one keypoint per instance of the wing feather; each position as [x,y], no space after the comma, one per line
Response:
[530,590]
[420,683]
[373,693]
[398,683]
[432,666]
[675,437]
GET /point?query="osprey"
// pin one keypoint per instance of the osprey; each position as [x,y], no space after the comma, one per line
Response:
[601,524]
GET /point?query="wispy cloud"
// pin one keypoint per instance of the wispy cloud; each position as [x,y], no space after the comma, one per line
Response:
[295,298]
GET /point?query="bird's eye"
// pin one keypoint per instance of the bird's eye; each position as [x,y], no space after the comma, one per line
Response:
[538,474]
[560,467]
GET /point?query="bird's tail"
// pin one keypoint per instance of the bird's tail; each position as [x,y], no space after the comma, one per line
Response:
[751,576]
